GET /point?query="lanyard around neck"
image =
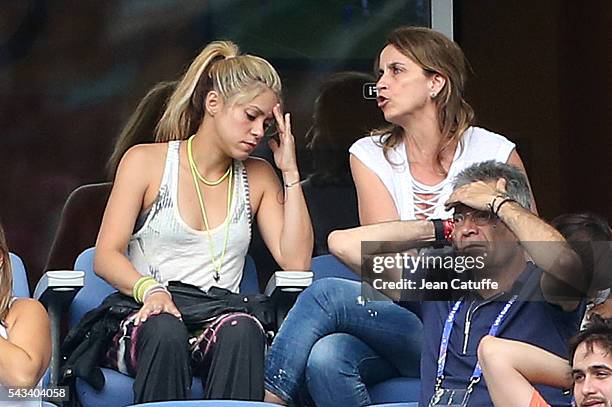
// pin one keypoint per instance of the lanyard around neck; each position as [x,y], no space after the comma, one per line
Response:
[446,333]
[217,265]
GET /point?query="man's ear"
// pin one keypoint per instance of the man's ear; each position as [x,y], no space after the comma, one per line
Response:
[213,103]
[436,83]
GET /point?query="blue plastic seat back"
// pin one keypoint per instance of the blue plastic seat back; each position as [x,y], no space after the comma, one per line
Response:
[21,287]
[250,281]
[328,265]
[94,290]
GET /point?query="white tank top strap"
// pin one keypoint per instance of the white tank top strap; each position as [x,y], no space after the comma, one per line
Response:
[3,331]
[171,172]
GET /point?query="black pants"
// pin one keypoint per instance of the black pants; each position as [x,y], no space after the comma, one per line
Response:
[231,368]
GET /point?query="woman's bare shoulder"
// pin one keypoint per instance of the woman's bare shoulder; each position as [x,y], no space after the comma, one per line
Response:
[25,308]
[145,155]
[259,169]
[259,164]
[148,151]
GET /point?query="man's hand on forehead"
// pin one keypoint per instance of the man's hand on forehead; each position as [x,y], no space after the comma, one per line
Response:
[477,195]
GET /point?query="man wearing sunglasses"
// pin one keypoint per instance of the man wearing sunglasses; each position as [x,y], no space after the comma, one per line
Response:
[537,298]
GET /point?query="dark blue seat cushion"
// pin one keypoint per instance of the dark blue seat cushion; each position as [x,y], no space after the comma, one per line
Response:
[118,390]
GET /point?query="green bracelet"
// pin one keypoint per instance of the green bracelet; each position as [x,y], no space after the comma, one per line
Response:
[144,287]
[137,291]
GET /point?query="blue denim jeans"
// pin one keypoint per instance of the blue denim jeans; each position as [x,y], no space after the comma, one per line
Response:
[336,342]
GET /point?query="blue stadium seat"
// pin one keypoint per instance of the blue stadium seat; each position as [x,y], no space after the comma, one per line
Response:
[400,390]
[118,390]
[94,290]
[250,279]
[20,278]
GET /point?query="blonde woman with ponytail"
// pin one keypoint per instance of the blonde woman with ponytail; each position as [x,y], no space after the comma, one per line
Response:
[181,210]
[25,341]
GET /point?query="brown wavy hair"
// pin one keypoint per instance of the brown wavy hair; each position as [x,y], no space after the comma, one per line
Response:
[6,276]
[436,54]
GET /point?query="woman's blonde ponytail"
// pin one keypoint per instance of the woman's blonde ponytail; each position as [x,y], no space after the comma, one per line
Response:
[221,68]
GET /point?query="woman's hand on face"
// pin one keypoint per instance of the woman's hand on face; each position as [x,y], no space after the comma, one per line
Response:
[284,152]
[155,304]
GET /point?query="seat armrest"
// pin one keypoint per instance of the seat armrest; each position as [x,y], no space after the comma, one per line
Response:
[284,287]
[59,285]
[288,282]
[56,290]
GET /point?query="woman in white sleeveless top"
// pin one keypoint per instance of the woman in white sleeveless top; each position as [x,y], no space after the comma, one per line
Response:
[402,172]
[182,209]
[25,341]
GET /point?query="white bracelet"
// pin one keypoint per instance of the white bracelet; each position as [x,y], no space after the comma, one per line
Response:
[290,184]
[155,289]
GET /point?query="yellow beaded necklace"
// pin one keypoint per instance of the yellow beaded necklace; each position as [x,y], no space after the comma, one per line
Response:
[196,175]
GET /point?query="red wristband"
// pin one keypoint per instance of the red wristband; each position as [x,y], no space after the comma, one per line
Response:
[449,226]
[443,230]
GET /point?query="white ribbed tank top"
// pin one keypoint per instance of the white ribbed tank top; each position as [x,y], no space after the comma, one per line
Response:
[166,248]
